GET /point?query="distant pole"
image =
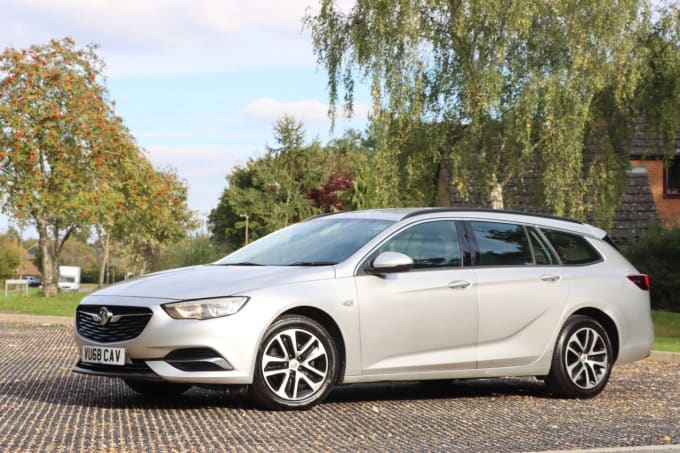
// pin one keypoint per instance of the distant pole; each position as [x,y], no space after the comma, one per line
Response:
[245,216]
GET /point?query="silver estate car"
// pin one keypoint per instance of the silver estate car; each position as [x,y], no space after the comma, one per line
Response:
[381,295]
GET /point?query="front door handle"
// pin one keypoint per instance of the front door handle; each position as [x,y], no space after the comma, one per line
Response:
[459,284]
[550,278]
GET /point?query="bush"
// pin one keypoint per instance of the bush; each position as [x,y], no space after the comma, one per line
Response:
[92,275]
[658,254]
[187,252]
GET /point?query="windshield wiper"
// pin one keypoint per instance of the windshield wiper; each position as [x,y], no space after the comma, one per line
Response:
[242,263]
[312,263]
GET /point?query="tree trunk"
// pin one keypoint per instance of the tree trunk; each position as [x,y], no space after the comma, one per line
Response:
[49,260]
[106,246]
[443,182]
[496,195]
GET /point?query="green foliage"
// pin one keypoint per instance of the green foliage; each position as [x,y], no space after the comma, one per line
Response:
[291,182]
[658,254]
[77,253]
[658,94]
[187,252]
[491,89]
[59,139]
[10,257]
[155,214]
[67,162]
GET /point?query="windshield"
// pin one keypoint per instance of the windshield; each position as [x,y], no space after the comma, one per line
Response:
[312,243]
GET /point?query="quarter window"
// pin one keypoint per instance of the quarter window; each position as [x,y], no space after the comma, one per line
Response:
[502,244]
[572,248]
[430,245]
[542,253]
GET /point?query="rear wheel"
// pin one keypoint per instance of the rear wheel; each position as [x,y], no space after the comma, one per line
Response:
[297,364]
[157,389]
[582,360]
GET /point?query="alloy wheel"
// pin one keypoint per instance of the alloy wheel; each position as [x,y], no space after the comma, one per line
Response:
[586,358]
[295,364]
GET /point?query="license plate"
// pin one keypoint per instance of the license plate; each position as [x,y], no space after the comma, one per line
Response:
[103,355]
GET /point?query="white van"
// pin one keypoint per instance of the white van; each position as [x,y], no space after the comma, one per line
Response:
[69,278]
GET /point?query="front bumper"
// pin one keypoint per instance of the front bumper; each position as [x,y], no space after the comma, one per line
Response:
[214,351]
[136,370]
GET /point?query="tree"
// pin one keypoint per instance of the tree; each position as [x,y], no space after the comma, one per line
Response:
[657,99]
[291,182]
[10,256]
[155,214]
[271,191]
[76,252]
[486,89]
[190,251]
[57,131]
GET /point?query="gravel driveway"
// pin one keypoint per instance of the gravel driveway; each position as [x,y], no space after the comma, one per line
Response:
[45,407]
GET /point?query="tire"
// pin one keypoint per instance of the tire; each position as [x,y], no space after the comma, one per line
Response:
[157,389]
[582,361]
[296,366]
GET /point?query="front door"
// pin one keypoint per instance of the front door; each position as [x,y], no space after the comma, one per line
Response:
[424,319]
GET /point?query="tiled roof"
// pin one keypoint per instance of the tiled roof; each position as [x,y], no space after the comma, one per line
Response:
[637,211]
[647,144]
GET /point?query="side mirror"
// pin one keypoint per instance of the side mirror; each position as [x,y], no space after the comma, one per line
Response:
[390,262]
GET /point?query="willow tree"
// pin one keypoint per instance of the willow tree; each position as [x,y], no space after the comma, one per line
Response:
[58,131]
[502,86]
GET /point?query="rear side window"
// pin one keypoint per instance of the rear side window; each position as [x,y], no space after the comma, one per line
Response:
[572,248]
[502,244]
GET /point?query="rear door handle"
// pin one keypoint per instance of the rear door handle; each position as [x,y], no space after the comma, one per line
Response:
[459,284]
[550,278]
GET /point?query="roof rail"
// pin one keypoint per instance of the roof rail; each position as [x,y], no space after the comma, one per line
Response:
[502,211]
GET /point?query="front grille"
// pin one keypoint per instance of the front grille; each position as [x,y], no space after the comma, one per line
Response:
[127,323]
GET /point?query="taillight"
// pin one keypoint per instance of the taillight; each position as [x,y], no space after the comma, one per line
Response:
[641,281]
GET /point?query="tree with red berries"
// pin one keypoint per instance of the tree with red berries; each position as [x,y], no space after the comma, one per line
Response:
[59,141]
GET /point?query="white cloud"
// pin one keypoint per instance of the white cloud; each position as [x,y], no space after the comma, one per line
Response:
[267,110]
[167,36]
[204,167]
[310,111]
[197,161]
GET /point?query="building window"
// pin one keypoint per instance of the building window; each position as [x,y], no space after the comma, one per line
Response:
[671,182]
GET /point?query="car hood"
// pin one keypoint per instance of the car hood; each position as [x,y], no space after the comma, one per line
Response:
[199,282]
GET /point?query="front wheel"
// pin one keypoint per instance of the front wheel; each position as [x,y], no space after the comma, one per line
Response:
[297,364]
[582,360]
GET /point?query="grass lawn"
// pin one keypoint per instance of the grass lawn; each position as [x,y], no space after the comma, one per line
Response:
[63,304]
[666,331]
[666,325]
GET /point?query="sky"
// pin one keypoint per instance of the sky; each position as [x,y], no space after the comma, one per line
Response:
[199,83]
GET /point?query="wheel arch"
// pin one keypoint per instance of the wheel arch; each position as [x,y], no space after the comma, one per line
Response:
[607,323]
[331,326]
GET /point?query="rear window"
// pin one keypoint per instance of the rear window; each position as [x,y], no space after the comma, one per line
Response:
[502,244]
[572,248]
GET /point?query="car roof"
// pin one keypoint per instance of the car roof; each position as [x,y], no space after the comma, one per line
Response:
[398,214]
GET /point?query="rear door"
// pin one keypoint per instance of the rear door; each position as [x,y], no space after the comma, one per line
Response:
[522,293]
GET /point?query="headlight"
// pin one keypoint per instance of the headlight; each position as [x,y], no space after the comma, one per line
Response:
[205,308]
